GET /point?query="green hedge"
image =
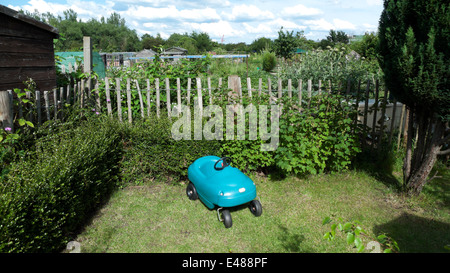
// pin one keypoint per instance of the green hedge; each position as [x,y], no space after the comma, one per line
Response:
[70,170]
[48,195]
[152,153]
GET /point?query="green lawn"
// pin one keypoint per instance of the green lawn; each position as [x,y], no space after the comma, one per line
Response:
[159,217]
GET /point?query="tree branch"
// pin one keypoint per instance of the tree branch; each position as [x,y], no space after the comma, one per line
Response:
[444,152]
[434,176]
[444,140]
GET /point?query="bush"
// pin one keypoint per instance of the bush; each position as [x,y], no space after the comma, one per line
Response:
[321,138]
[246,155]
[152,153]
[269,61]
[48,195]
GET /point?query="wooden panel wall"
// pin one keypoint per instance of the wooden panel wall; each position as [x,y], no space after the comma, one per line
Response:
[26,51]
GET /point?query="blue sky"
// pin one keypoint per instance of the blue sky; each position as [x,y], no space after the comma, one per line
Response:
[235,21]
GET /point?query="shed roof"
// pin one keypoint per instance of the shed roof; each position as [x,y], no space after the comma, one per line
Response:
[29,20]
[146,53]
[175,49]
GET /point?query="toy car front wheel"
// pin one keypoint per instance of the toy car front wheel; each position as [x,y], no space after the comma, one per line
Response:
[191,192]
[227,218]
[255,207]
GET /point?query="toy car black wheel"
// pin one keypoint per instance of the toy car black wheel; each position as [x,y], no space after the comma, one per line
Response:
[227,218]
[255,207]
[191,192]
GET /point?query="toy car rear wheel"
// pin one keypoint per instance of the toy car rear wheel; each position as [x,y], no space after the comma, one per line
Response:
[227,218]
[255,207]
[191,192]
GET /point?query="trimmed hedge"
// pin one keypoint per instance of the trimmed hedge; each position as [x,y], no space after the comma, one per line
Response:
[152,153]
[48,196]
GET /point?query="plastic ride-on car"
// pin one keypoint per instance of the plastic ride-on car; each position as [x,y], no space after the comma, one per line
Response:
[216,183]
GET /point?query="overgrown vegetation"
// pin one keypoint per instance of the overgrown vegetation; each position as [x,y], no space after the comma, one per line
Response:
[54,177]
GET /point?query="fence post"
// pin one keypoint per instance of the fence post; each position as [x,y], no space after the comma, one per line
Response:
[141,102]
[289,88]
[61,102]
[157,97]
[300,91]
[55,103]
[249,87]
[366,104]
[280,89]
[209,91]
[179,96]
[82,93]
[87,54]
[383,112]
[130,114]
[6,108]
[391,133]
[199,95]
[38,106]
[97,96]
[148,98]
[68,94]
[47,104]
[320,87]
[188,95]
[168,96]
[119,99]
[259,87]
[108,97]
[309,92]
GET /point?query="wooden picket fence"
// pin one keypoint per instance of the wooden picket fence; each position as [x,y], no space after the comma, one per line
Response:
[381,117]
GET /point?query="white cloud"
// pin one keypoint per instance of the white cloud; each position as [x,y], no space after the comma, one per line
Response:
[370,28]
[324,25]
[300,11]
[172,13]
[374,2]
[84,9]
[247,13]
[341,24]
[320,24]
[216,29]
[155,25]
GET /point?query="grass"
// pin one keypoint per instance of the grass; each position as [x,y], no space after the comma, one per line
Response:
[159,218]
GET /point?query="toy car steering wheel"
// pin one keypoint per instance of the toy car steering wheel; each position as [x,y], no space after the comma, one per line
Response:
[226,161]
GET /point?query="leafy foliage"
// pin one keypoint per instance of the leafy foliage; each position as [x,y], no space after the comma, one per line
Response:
[319,138]
[414,49]
[49,193]
[354,234]
[269,61]
[285,44]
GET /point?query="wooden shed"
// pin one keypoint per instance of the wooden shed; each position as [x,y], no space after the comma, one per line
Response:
[26,51]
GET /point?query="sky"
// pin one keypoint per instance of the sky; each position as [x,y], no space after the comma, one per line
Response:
[227,21]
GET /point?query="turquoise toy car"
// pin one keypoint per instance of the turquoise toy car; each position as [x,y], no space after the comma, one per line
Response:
[217,184]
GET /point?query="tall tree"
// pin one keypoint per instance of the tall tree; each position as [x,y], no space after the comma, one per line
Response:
[336,37]
[203,41]
[285,44]
[414,43]
[260,44]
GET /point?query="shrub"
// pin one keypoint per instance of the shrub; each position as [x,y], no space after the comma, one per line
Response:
[318,139]
[269,61]
[152,153]
[247,155]
[48,195]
